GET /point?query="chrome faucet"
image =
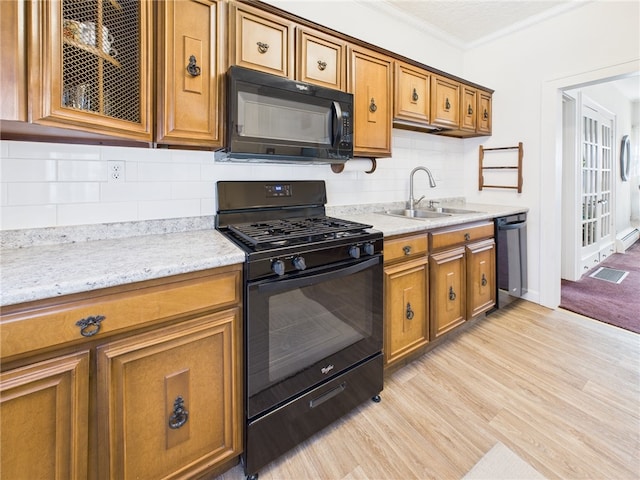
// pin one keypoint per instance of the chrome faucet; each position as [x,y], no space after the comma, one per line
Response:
[412,203]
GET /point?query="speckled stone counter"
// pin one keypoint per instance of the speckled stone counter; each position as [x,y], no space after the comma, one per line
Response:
[45,271]
[395,225]
[46,263]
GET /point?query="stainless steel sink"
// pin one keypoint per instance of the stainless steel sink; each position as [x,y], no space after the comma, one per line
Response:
[422,213]
[415,213]
[452,211]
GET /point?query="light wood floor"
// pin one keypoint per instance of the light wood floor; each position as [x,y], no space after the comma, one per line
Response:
[560,390]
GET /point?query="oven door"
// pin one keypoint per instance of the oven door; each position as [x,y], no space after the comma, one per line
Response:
[304,329]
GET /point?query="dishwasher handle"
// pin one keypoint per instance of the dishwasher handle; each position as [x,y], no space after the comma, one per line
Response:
[512,225]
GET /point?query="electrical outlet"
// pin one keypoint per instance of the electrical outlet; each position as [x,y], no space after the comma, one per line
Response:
[116,170]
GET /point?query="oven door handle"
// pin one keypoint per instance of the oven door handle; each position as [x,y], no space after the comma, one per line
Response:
[287,284]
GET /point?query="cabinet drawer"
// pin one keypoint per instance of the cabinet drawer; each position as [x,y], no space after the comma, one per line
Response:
[405,247]
[56,324]
[460,234]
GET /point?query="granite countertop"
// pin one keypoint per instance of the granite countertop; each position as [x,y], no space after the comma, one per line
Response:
[40,271]
[46,271]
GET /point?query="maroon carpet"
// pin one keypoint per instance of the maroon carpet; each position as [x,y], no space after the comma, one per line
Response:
[617,304]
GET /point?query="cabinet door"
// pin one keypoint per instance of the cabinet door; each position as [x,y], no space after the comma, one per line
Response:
[260,41]
[468,108]
[169,400]
[484,112]
[189,73]
[44,412]
[447,276]
[406,309]
[411,94]
[92,67]
[13,74]
[369,79]
[320,59]
[481,277]
[445,98]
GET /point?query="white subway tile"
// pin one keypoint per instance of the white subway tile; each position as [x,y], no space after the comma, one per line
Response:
[132,191]
[31,216]
[26,170]
[92,213]
[169,209]
[82,171]
[53,151]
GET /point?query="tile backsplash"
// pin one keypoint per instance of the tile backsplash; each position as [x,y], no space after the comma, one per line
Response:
[57,184]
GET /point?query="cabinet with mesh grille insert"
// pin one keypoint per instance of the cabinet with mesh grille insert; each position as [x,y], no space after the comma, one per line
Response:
[94,66]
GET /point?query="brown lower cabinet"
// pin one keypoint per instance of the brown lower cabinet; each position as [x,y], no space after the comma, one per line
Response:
[406,287]
[434,281]
[462,274]
[135,382]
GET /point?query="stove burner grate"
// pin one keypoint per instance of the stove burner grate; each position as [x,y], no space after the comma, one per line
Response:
[294,230]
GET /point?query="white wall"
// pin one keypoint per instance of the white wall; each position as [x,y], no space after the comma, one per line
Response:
[594,41]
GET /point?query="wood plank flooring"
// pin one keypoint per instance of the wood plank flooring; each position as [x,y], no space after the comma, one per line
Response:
[560,390]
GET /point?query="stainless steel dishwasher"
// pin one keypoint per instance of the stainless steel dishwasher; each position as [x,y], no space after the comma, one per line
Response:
[511,262]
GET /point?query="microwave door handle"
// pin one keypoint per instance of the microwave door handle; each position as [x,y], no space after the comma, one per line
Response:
[337,124]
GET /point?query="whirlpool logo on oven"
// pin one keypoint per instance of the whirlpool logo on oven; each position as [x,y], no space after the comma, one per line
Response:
[327,369]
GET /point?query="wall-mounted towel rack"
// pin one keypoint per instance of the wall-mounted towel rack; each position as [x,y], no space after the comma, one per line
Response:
[518,168]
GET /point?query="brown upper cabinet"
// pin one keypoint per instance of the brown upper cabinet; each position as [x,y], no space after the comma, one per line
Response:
[13,101]
[484,113]
[445,102]
[90,66]
[411,89]
[468,108]
[369,78]
[320,59]
[63,80]
[260,40]
[189,72]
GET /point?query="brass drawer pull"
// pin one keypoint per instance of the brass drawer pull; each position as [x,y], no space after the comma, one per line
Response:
[90,326]
[407,249]
[447,104]
[467,237]
[409,313]
[322,65]
[372,106]
[179,416]
[484,280]
[263,47]
[452,294]
[485,115]
[414,95]
[193,69]
[469,110]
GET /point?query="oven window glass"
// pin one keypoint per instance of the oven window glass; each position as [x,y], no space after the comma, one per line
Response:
[261,116]
[299,327]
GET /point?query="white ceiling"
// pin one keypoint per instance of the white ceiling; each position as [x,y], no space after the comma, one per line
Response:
[469,23]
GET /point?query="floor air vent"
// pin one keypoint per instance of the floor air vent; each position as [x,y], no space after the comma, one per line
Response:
[609,274]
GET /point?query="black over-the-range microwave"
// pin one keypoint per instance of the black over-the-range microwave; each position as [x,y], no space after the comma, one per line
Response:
[276,119]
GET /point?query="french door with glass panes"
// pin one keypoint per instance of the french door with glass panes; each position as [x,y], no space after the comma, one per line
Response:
[597,196]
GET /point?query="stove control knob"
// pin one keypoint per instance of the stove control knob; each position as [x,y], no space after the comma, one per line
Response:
[354,251]
[299,263]
[368,248]
[277,267]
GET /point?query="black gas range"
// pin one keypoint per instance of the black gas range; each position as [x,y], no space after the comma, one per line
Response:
[312,311]
[283,228]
